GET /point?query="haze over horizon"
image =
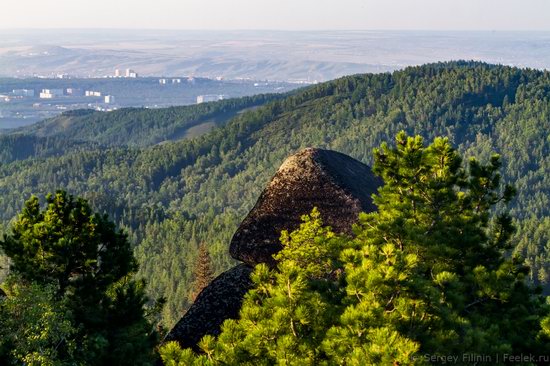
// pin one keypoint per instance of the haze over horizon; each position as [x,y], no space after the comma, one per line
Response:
[497,15]
[259,55]
[306,40]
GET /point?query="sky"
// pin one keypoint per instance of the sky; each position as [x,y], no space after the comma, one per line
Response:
[495,15]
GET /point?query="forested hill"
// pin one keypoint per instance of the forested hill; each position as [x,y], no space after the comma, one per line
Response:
[173,196]
[132,127]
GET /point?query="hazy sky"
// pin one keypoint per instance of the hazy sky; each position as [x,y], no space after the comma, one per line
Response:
[278,14]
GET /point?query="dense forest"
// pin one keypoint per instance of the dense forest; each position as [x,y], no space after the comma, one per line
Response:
[424,279]
[135,127]
[172,194]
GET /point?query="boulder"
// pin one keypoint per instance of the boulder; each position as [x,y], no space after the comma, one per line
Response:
[220,300]
[338,185]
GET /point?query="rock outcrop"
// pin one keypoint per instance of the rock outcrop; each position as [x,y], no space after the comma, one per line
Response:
[338,185]
[220,300]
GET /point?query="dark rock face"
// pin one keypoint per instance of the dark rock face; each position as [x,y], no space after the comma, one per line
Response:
[338,185]
[221,300]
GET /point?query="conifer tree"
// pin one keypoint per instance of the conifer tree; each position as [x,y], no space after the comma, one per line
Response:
[88,263]
[429,273]
[431,265]
[203,273]
[284,317]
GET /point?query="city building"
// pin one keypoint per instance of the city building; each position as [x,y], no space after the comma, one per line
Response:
[51,93]
[109,99]
[209,98]
[91,93]
[117,73]
[168,81]
[23,92]
[131,73]
[74,92]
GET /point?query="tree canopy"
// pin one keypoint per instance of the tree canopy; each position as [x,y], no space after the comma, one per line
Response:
[172,196]
[72,274]
[428,274]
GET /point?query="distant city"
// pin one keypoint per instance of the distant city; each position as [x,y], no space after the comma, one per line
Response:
[28,100]
[110,69]
[96,99]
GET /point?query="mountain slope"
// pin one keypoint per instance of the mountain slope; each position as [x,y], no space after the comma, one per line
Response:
[141,126]
[173,196]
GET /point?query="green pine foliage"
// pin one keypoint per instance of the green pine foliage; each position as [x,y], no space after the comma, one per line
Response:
[427,274]
[66,248]
[67,245]
[171,197]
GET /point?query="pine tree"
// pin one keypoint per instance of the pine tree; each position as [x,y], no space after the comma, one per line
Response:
[89,264]
[203,273]
[284,318]
[427,274]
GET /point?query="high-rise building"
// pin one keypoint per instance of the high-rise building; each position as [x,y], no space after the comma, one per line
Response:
[109,99]
[131,73]
[117,73]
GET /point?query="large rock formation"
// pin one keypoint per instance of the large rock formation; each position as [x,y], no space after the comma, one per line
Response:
[220,300]
[338,185]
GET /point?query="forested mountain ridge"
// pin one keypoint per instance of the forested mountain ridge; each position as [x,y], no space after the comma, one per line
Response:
[142,126]
[172,197]
[132,127]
